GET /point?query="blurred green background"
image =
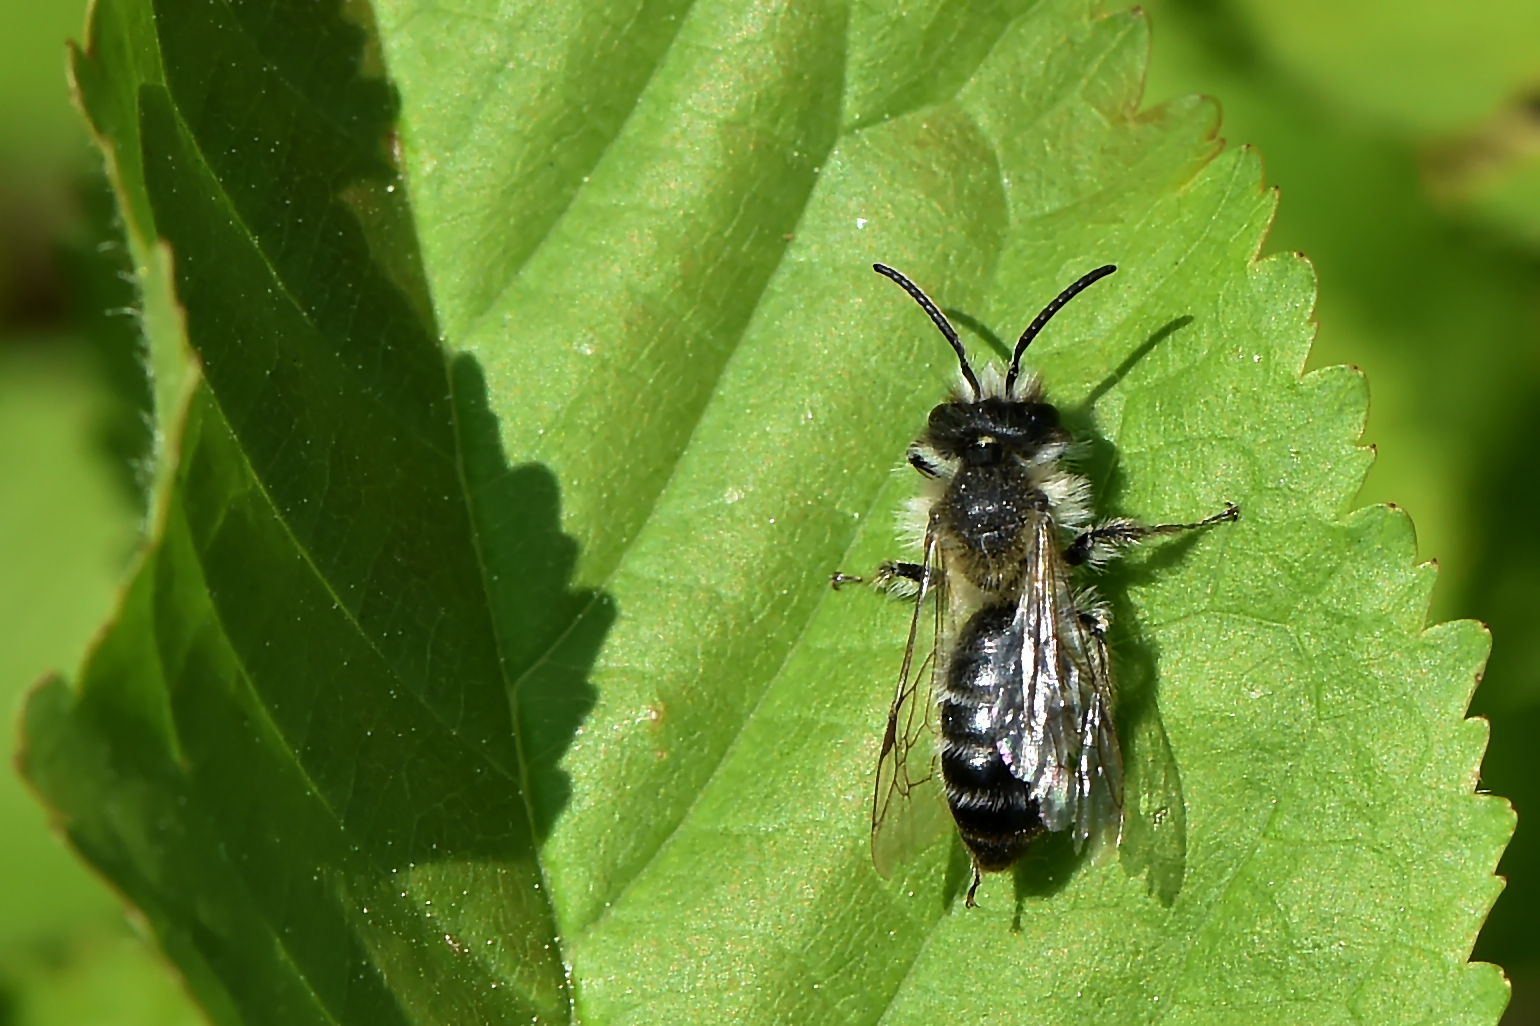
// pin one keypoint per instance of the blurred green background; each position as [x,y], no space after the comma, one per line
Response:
[69,519]
[1405,136]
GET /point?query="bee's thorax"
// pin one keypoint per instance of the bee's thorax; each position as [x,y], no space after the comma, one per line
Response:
[985,519]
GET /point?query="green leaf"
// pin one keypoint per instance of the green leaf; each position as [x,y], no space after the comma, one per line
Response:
[1409,288]
[486,668]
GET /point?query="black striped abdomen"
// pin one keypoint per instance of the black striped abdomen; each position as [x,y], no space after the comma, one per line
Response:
[995,813]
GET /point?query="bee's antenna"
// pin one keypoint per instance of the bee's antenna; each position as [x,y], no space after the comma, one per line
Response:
[1047,315]
[940,319]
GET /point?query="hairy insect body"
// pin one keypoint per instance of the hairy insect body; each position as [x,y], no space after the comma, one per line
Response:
[998,475]
[1017,657]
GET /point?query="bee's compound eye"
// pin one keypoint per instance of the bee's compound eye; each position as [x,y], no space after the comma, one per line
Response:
[951,421]
[1028,423]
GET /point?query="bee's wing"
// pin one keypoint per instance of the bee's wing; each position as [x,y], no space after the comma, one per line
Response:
[907,815]
[1057,731]
[1099,781]
[1155,818]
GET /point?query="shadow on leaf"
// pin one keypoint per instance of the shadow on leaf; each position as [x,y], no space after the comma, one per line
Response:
[550,631]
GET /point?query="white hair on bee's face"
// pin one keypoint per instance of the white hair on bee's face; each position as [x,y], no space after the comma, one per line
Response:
[992,385]
[991,382]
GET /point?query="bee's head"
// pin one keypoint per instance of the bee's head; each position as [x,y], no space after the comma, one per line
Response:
[980,408]
[992,430]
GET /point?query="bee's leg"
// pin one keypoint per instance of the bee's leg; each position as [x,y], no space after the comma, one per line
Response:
[924,460]
[1103,541]
[891,576]
[978,878]
[899,575]
[1095,618]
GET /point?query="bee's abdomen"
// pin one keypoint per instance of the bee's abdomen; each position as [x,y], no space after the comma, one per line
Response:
[995,815]
[995,812]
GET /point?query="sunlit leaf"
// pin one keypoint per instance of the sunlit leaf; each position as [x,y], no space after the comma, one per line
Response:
[486,667]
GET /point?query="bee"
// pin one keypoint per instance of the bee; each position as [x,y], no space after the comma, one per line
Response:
[1022,689]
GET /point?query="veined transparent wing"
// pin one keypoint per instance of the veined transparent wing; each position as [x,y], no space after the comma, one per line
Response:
[1057,731]
[1154,841]
[908,814]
